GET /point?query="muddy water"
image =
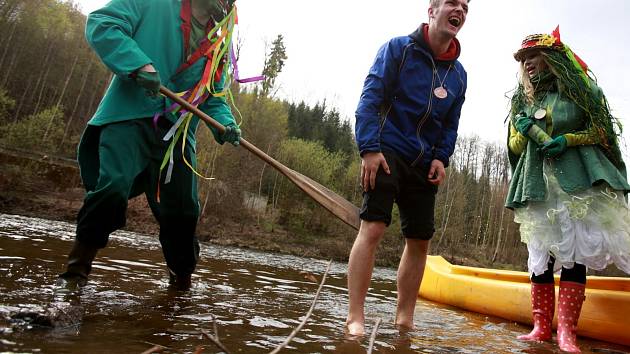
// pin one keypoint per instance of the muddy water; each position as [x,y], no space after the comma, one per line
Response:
[257,298]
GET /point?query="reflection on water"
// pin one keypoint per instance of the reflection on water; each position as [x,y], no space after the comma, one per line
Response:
[257,299]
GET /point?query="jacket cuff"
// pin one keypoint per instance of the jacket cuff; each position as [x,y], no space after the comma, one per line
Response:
[365,151]
[445,160]
[370,146]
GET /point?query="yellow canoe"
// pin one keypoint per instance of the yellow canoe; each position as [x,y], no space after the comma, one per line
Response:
[506,294]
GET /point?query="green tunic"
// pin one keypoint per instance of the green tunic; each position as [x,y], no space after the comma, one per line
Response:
[128,34]
[121,150]
[577,169]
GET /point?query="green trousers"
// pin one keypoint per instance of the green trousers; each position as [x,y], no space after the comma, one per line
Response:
[119,161]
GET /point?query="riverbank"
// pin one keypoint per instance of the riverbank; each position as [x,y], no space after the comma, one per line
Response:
[36,185]
[40,199]
[40,186]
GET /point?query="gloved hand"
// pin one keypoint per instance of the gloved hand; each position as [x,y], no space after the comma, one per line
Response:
[232,134]
[555,147]
[523,123]
[150,81]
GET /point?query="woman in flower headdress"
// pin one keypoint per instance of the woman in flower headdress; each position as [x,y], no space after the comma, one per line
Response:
[568,181]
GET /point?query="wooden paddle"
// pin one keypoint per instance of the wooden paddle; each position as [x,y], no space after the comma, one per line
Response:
[334,203]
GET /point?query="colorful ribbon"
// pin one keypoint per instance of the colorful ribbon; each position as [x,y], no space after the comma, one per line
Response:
[236,75]
[220,59]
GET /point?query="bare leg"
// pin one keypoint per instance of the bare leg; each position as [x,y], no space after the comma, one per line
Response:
[360,268]
[410,273]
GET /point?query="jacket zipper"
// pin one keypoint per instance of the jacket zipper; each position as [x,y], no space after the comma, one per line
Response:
[425,117]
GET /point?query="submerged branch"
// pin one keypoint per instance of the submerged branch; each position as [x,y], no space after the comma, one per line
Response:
[155,349]
[215,338]
[373,336]
[308,314]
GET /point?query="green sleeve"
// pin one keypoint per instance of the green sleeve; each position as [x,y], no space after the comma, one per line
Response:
[218,108]
[109,31]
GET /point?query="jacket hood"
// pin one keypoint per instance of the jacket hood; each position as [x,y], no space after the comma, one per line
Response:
[420,36]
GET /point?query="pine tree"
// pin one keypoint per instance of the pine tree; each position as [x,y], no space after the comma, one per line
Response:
[274,64]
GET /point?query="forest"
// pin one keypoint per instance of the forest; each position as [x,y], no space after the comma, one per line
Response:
[51,82]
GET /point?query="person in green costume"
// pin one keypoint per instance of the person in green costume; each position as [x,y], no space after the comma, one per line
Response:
[568,182]
[146,43]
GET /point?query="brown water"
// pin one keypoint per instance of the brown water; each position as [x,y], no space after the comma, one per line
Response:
[257,298]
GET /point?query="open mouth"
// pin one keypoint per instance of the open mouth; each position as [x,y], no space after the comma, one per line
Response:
[454,21]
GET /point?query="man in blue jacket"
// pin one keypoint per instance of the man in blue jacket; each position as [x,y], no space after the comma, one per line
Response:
[406,128]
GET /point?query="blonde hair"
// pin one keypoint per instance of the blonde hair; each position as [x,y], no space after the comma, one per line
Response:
[523,77]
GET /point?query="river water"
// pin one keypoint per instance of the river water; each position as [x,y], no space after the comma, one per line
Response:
[257,299]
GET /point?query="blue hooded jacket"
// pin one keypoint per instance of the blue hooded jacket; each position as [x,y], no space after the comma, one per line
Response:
[398,111]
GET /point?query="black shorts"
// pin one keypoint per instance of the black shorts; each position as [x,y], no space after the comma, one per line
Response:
[409,188]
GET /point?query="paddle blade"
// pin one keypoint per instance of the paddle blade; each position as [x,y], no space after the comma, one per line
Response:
[331,201]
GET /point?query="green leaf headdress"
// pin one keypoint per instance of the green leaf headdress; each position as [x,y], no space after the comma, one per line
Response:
[574,82]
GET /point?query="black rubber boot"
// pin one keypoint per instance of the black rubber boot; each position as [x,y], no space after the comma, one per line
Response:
[179,282]
[65,309]
[75,277]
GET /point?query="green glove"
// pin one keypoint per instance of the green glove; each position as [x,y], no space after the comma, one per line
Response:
[232,134]
[523,123]
[150,81]
[555,147]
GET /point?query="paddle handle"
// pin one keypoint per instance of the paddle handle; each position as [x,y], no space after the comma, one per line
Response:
[337,205]
[218,126]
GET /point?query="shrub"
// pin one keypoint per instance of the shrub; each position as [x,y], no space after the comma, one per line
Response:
[37,132]
[7,104]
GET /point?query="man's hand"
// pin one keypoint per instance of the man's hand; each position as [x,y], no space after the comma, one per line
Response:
[436,172]
[232,134]
[370,163]
[149,79]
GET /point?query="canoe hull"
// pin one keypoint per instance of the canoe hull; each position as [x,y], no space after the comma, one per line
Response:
[506,294]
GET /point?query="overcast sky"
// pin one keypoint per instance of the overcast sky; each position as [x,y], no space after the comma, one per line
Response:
[332,43]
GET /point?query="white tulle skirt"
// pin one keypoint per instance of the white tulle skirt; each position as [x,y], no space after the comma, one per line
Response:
[590,227]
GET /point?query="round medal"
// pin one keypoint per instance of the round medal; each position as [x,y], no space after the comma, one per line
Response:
[540,114]
[440,92]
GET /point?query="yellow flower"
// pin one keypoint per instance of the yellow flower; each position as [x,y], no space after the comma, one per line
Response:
[547,40]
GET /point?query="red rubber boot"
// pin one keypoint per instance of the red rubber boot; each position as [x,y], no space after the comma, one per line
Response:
[569,308]
[543,303]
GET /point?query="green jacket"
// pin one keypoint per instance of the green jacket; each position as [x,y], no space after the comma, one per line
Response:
[128,34]
[578,168]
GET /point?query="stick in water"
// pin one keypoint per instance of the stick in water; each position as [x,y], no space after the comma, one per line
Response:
[373,336]
[155,349]
[308,314]
[215,338]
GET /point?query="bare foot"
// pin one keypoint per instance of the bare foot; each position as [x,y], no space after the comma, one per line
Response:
[355,328]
